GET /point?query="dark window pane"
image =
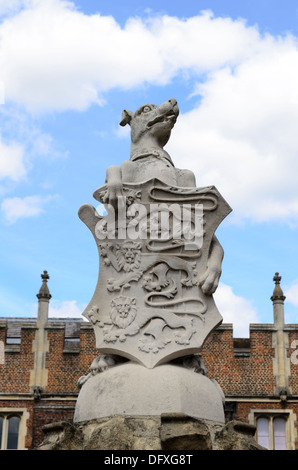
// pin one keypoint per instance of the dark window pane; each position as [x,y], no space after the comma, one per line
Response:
[13,432]
[13,340]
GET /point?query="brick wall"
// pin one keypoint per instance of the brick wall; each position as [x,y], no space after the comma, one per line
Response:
[64,369]
[49,412]
[241,373]
[251,374]
[15,372]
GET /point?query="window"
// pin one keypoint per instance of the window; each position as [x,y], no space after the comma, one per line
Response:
[263,432]
[13,336]
[72,337]
[9,431]
[272,431]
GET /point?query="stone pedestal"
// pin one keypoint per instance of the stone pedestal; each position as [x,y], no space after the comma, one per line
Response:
[131,389]
[170,432]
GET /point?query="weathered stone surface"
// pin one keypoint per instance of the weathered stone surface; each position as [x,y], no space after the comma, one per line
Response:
[236,436]
[166,432]
[62,435]
[183,432]
[132,389]
[115,433]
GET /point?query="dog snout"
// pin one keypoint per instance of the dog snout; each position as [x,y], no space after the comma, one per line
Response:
[173,106]
[172,101]
[169,107]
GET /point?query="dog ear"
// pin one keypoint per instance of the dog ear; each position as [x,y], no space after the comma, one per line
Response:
[126,117]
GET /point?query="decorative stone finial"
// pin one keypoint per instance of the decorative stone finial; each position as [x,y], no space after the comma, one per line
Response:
[44,292]
[277,293]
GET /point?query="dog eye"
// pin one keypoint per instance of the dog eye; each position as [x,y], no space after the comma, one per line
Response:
[146,109]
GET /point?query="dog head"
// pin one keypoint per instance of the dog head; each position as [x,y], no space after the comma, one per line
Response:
[151,122]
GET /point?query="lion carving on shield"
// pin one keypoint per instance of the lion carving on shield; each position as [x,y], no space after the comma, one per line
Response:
[128,255]
[123,311]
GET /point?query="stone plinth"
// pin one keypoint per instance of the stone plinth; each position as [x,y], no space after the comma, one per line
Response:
[165,432]
[133,390]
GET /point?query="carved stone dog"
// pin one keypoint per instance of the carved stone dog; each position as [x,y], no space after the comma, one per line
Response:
[151,127]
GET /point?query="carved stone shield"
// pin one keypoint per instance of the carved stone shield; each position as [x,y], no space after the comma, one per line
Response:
[148,305]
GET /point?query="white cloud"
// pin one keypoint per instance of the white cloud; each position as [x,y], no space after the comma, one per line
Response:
[16,208]
[291,294]
[236,310]
[55,57]
[11,161]
[65,309]
[240,136]
[2,93]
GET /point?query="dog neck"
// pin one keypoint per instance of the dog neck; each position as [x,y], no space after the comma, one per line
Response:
[155,152]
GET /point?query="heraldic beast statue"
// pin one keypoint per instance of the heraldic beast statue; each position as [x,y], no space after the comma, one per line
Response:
[159,265]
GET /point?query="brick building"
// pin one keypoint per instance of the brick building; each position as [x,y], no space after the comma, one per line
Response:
[41,360]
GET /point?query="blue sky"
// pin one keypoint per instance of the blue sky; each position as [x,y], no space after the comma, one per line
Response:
[68,68]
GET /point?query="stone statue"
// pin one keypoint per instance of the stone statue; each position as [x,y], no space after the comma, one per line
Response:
[151,127]
[160,263]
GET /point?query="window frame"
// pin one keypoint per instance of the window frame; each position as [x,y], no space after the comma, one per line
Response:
[6,414]
[271,415]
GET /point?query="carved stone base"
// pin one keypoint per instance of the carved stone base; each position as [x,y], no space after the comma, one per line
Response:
[166,432]
[132,389]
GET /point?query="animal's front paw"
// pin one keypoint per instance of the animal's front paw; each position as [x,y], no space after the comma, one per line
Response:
[114,196]
[209,281]
[187,282]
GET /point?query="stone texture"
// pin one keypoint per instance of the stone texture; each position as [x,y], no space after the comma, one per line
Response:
[115,433]
[180,432]
[132,389]
[167,432]
[236,436]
